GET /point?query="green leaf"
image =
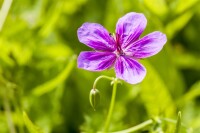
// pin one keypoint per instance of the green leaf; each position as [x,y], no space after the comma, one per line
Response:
[193,93]
[155,94]
[50,85]
[4,54]
[71,7]
[53,16]
[178,123]
[21,54]
[158,7]
[57,52]
[164,65]
[185,60]
[177,24]
[30,126]
[183,5]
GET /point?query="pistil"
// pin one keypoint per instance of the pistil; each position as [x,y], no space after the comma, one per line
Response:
[119,50]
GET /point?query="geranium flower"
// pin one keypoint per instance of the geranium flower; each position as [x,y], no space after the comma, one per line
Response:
[121,51]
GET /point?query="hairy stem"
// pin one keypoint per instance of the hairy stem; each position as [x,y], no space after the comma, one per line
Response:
[100,77]
[108,119]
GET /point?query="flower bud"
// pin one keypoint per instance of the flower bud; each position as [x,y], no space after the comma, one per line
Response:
[94,98]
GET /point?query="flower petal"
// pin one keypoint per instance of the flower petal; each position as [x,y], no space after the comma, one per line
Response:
[96,36]
[96,61]
[130,27]
[129,70]
[147,46]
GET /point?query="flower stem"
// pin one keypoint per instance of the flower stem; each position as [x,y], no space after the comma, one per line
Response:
[136,128]
[108,119]
[100,77]
[174,122]
[133,129]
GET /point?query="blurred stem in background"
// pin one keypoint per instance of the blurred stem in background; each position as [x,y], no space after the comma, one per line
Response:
[8,114]
[6,87]
[4,12]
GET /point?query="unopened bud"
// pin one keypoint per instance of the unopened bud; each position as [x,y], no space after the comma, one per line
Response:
[94,98]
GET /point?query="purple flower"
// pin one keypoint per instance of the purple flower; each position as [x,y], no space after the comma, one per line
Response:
[122,50]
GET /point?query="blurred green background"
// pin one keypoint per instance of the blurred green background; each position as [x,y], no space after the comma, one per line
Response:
[39,74]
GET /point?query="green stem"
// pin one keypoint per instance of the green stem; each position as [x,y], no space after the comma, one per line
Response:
[100,77]
[136,128]
[108,119]
[178,123]
[173,122]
